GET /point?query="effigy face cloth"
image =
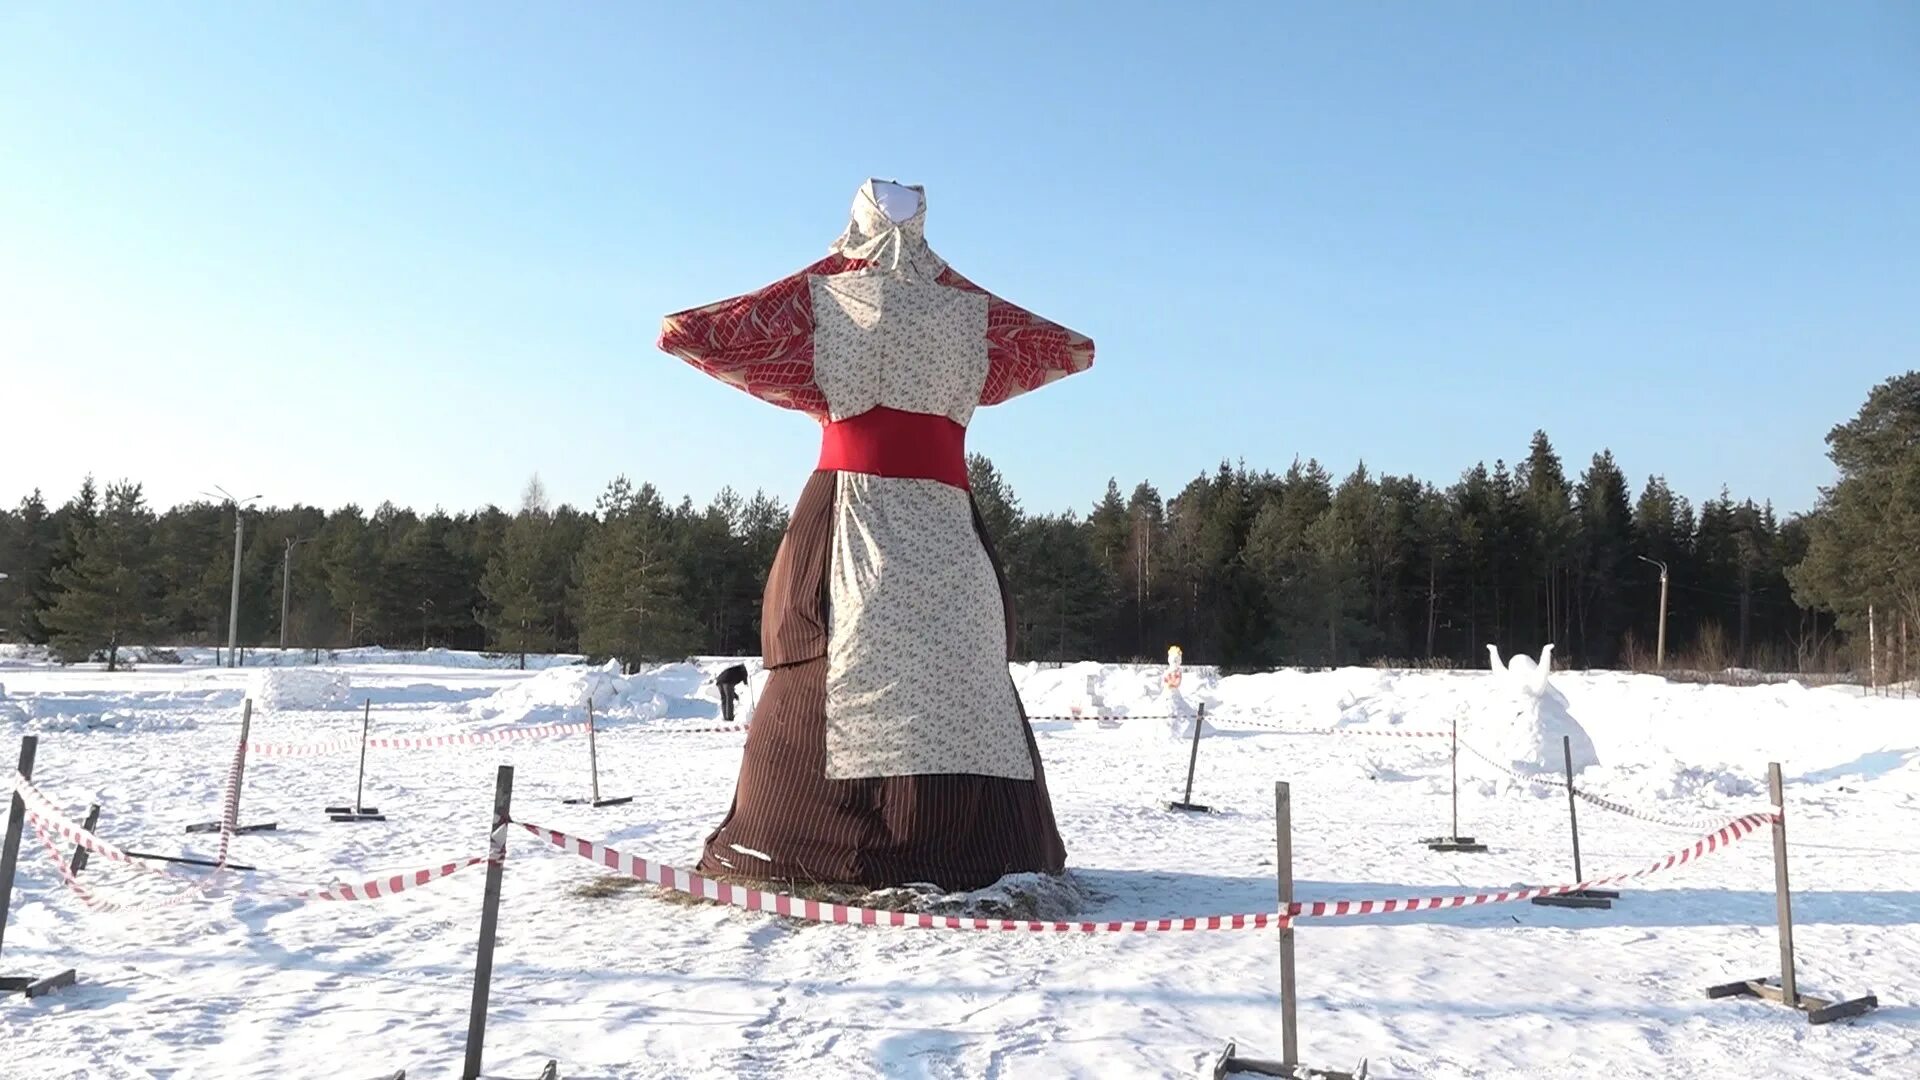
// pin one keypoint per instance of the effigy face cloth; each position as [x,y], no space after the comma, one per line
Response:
[889,712]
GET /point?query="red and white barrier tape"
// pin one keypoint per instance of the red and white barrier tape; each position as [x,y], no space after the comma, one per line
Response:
[50,822]
[749,899]
[419,742]
[1712,842]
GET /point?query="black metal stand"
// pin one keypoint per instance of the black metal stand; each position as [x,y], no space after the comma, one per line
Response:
[30,985]
[359,812]
[593,766]
[1230,1061]
[1578,898]
[1785,991]
[232,822]
[1186,801]
[1453,841]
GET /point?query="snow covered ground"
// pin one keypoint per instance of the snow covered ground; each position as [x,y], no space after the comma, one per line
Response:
[620,983]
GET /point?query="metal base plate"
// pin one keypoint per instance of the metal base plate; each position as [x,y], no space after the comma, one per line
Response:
[1230,1063]
[1819,1010]
[214,827]
[1192,807]
[189,860]
[1453,843]
[352,809]
[366,815]
[32,987]
[596,803]
[1585,898]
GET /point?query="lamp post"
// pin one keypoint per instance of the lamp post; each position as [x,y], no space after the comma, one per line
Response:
[233,602]
[1660,645]
[286,584]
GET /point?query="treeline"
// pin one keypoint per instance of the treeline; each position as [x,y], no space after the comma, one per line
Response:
[1243,568]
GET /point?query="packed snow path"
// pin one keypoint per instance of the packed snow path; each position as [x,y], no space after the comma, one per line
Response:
[616,982]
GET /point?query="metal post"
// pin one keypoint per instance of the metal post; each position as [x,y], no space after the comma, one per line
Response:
[1186,801]
[1454,763]
[79,861]
[16,820]
[1283,861]
[1660,647]
[1783,898]
[593,754]
[489,921]
[359,783]
[1573,814]
[233,604]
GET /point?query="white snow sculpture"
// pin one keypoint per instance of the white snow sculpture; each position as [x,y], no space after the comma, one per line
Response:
[1521,723]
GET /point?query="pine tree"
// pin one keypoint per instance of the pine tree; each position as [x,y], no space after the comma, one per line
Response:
[108,597]
[27,558]
[1604,548]
[631,601]
[525,582]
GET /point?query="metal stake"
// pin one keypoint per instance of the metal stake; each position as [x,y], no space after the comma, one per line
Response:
[358,811]
[1453,841]
[1578,898]
[234,827]
[593,767]
[489,921]
[1186,801]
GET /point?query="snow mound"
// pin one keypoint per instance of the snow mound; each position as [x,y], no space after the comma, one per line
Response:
[288,689]
[1522,718]
[1093,690]
[565,692]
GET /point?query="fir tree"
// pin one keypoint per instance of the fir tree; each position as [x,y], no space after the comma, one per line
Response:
[108,597]
[631,601]
[525,582]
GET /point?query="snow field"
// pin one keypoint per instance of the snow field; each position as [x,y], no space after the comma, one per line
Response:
[615,982]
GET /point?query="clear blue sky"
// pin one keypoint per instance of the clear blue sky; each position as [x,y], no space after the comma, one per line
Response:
[356,252]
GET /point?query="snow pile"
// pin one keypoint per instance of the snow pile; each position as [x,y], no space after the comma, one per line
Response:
[1093,690]
[563,693]
[1522,719]
[289,689]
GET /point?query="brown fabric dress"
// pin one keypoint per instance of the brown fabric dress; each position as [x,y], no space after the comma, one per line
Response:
[788,821]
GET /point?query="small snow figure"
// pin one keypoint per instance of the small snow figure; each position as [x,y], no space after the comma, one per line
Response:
[1522,726]
[1172,677]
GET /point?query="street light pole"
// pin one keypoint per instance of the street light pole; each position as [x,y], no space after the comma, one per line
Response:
[233,601]
[1660,646]
[286,584]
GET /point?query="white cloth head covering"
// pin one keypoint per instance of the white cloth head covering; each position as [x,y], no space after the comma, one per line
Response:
[888,229]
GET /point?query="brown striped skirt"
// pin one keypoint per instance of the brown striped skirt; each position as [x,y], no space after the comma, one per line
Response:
[789,822]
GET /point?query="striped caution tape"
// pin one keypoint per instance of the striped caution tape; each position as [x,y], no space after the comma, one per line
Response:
[52,826]
[419,742]
[750,899]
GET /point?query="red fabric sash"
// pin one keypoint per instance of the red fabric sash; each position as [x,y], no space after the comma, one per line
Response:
[892,442]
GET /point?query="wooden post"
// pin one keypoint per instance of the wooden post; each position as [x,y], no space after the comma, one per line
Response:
[489,921]
[1787,990]
[1283,863]
[79,861]
[1193,756]
[9,857]
[1782,895]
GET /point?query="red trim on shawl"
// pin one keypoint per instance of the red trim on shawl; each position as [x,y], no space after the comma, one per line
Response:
[893,442]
